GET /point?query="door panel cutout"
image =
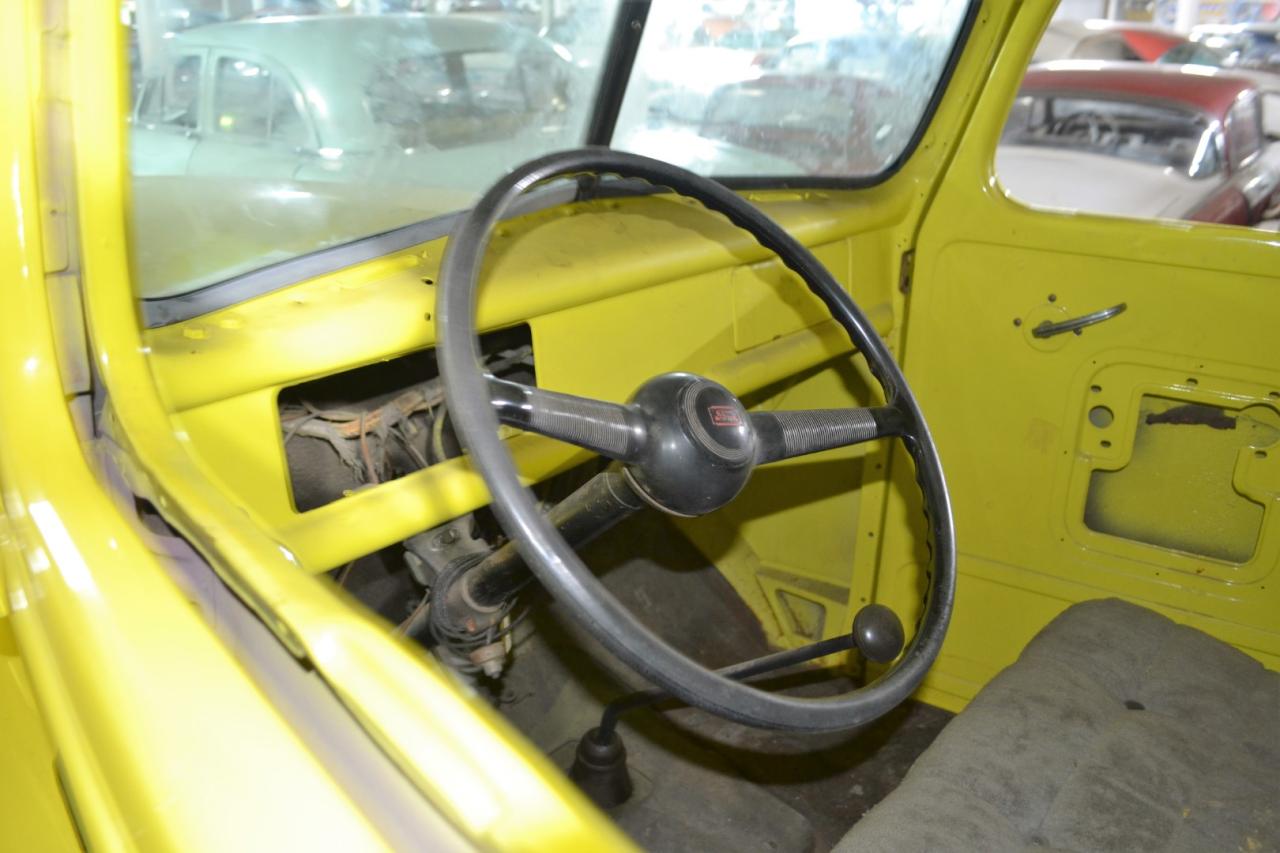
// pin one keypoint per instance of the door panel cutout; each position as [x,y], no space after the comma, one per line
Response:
[1182,484]
[1180,488]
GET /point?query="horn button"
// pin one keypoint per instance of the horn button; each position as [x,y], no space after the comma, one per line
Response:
[700,446]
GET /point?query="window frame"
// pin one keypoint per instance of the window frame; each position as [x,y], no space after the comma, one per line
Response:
[277,73]
[162,79]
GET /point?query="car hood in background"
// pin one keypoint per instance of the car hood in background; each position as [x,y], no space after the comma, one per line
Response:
[1095,183]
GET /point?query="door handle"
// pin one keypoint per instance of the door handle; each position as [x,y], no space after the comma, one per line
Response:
[1075,324]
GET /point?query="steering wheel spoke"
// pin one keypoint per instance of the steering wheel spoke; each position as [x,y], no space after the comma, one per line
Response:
[609,429]
[784,435]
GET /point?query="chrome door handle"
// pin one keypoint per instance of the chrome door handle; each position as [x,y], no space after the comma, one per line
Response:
[1075,324]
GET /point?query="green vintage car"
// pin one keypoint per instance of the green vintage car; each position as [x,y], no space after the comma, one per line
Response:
[331,97]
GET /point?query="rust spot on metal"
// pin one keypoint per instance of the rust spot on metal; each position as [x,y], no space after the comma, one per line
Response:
[1194,414]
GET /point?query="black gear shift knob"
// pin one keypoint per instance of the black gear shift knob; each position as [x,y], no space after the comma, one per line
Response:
[878,634]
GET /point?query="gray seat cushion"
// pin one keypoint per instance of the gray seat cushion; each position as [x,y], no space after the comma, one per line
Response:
[1116,730]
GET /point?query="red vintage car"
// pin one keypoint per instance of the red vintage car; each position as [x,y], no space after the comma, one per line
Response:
[1124,41]
[1141,140]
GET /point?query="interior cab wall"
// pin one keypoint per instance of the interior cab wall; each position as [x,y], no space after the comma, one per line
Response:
[1138,458]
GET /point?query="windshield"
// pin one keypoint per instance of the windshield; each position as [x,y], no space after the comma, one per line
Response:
[265,132]
[1179,140]
[1190,53]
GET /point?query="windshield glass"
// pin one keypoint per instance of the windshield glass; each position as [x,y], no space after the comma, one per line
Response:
[1191,53]
[833,88]
[1176,139]
[265,131]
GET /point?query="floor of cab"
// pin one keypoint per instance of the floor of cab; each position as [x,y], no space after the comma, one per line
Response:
[701,782]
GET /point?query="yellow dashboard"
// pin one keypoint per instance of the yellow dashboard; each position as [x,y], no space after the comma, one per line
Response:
[604,314]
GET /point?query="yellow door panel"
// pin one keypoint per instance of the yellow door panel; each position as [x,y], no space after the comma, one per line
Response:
[1132,459]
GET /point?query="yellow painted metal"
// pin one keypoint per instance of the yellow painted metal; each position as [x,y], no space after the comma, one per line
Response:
[239,437]
[548,265]
[787,541]
[123,676]
[147,714]
[573,268]
[1214,466]
[543,263]
[1010,412]
[31,807]
[164,739]
[220,374]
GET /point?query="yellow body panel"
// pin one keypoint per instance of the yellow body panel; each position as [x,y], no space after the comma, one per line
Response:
[1010,413]
[30,805]
[591,336]
[148,714]
[164,740]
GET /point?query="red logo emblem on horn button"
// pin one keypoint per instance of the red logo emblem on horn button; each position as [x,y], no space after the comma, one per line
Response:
[724,416]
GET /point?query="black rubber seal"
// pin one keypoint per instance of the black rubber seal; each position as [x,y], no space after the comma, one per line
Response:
[555,563]
[624,44]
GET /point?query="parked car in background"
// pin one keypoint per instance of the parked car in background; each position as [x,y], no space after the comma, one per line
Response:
[806,118]
[1140,140]
[1123,41]
[268,115]
[1249,45]
[277,8]
[867,54]
[264,98]
[698,63]
[796,105]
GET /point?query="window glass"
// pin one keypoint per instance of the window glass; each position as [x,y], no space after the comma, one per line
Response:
[1244,132]
[495,82]
[1242,46]
[835,88]
[174,98]
[378,119]
[1178,140]
[410,96]
[1171,128]
[1270,108]
[1190,53]
[252,102]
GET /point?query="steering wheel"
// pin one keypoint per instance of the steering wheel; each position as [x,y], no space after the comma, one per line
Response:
[687,446]
[1095,124]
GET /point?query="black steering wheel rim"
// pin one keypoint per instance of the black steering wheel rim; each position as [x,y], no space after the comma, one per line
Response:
[555,563]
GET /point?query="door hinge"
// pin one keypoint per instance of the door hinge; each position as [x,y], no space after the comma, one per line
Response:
[904,271]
